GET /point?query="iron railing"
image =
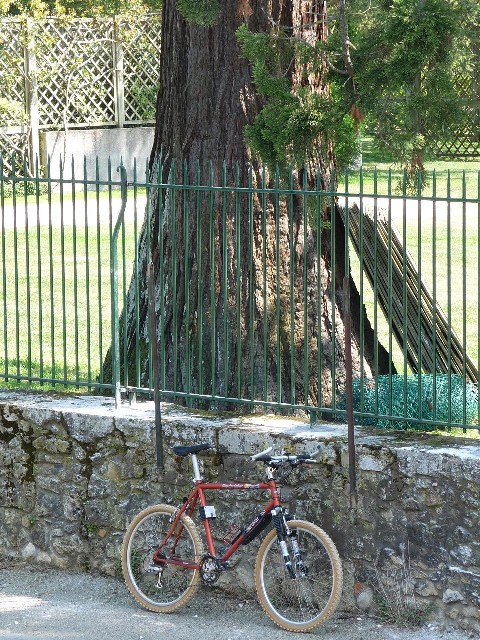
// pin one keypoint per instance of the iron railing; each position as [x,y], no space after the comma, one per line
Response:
[72,254]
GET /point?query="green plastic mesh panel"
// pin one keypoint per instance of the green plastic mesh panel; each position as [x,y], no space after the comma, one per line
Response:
[404,402]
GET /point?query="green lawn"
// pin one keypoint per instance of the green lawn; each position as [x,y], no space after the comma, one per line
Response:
[55,284]
[380,174]
[55,316]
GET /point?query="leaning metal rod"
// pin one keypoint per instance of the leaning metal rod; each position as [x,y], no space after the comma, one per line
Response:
[349,391]
[114,285]
[155,364]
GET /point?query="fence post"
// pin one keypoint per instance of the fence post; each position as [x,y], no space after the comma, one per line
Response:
[349,391]
[31,91]
[114,284]
[118,74]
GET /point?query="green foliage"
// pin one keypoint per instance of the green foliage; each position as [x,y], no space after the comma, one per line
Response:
[405,56]
[414,399]
[404,37]
[23,189]
[85,8]
[145,99]
[201,12]
[293,125]
[33,8]
[12,112]
[404,59]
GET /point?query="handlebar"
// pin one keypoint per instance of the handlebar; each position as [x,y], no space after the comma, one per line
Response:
[264,456]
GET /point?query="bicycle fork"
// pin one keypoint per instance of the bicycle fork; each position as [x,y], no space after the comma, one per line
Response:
[280,521]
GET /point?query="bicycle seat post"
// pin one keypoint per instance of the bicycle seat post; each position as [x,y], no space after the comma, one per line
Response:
[196,469]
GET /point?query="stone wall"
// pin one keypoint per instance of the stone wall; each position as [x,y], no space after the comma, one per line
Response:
[73,472]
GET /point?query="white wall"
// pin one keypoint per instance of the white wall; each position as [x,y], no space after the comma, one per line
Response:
[115,144]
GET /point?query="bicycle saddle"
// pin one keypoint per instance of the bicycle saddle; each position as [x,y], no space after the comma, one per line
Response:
[194,448]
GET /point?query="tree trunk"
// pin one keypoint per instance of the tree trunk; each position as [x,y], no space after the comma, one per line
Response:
[248,292]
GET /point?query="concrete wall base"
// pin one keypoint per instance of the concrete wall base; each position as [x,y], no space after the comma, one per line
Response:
[115,144]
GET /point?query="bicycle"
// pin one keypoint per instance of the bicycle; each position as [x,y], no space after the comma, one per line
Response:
[298,572]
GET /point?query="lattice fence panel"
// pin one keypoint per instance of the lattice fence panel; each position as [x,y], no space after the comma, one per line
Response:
[74,62]
[465,138]
[141,64]
[13,147]
[12,74]
[14,131]
[75,65]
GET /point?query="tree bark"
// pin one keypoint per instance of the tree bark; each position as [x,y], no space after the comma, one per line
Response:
[248,287]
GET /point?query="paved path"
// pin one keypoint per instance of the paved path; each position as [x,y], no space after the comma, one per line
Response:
[84,212]
[44,604]
[92,211]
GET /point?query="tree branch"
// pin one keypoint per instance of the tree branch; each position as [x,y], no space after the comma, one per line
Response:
[347,60]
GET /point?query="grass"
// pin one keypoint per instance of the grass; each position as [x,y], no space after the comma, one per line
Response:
[55,283]
[55,315]
[458,433]
[443,177]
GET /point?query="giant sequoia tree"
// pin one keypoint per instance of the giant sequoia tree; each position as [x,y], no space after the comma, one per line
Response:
[248,287]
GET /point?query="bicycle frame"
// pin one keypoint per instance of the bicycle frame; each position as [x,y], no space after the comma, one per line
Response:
[164,559]
[196,496]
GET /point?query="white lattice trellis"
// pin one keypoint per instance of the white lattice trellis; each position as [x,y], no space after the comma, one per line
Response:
[77,73]
[12,71]
[141,66]
[13,118]
[74,62]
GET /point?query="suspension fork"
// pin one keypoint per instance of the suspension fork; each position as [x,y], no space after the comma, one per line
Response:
[283,531]
[280,520]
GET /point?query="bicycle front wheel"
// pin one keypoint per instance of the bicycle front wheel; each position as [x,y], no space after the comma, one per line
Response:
[165,586]
[309,598]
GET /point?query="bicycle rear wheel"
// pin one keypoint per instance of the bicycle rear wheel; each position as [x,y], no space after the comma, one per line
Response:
[304,602]
[161,587]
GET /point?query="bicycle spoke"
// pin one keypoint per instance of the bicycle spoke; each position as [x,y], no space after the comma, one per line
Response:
[165,586]
[303,602]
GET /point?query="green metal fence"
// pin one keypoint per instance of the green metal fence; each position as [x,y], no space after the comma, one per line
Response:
[241,322]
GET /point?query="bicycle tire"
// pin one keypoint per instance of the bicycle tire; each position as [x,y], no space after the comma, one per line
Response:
[302,603]
[142,538]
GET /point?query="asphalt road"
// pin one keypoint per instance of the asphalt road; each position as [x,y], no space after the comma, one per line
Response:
[55,605]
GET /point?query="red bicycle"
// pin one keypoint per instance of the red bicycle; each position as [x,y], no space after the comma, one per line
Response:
[298,572]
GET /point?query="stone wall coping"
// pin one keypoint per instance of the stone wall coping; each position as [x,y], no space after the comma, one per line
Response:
[40,405]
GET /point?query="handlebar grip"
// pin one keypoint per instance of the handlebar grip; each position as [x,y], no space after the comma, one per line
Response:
[257,456]
[307,460]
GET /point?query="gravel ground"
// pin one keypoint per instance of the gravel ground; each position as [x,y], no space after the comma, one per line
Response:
[55,605]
